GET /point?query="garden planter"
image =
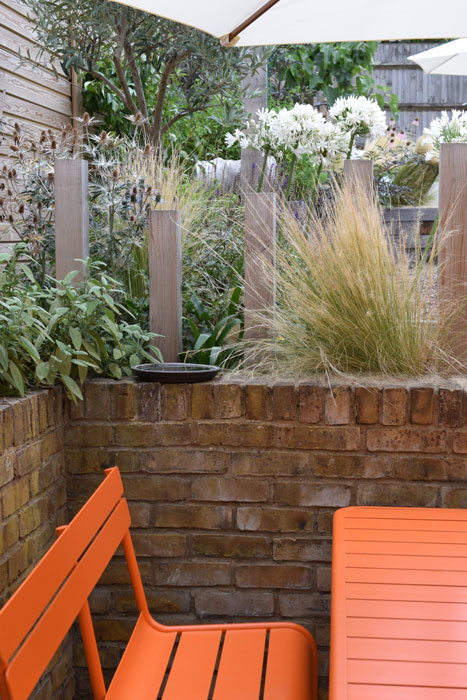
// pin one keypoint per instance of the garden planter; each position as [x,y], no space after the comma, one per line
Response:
[404,222]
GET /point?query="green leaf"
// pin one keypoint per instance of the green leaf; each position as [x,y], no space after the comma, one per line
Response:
[3,358]
[117,353]
[42,371]
[76,338]
[29,347]
[69,277]
[115,370]
[72,387]
[17,378]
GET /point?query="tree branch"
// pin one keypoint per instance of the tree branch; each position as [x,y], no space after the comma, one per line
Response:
[129,101]
[180,115]
[157,119]
[100,76]
[140,96]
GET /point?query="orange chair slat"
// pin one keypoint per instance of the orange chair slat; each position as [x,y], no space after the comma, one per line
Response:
[399,692]
[388,561]
[392,591]
[24,608]
[399,604]
[26,667]
[418,525]
[408,673]
[409,629]
[241,665]
[407,610]
[288,667]
[415,549]
[193,666]
[420,650]
[143,665]
[431,536]
[404,576]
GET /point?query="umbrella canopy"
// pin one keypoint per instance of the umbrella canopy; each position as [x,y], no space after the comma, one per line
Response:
[257,22]
[447,59]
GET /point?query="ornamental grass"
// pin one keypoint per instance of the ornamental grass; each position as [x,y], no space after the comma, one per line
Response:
[348,300]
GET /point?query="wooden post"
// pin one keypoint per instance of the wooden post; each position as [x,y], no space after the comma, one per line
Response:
[71,217]
[165,281]
[251,159]
[260,258]
[453,243]
[358,174]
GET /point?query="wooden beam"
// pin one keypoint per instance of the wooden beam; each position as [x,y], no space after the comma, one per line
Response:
[232,38]
[71,217]
[165,281]
[260,259]
[358,174]
[453,244]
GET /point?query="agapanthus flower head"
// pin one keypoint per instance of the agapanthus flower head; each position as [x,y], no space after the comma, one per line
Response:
[445,129]
[359,116]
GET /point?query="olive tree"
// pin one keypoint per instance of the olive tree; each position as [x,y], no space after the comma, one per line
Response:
[142,59]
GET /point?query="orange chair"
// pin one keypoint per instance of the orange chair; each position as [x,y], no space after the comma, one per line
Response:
[399,604]
[271,661]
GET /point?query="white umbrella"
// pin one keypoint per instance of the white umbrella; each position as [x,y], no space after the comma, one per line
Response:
[256,22]
[447,59]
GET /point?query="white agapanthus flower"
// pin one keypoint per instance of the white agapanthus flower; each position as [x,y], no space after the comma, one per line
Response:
[359,116]
[445,129]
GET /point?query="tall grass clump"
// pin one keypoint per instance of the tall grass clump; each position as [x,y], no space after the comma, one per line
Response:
[348,300]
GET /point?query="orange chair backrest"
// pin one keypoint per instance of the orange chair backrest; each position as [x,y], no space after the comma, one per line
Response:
[38,616]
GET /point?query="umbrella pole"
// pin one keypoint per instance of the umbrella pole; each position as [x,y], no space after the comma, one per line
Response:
[232,38]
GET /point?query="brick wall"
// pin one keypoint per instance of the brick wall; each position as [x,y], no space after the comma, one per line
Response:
[32,505]
[232,487]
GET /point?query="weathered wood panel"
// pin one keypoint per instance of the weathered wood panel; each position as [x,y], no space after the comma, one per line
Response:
[421,95]
[31,95]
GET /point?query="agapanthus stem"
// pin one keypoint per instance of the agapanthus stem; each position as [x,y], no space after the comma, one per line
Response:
[263,169]
[316,183]
[351,142]
[289,182]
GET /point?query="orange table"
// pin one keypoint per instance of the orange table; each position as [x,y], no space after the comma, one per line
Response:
[399,604]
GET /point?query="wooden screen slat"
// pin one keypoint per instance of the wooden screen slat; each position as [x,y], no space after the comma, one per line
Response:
[147,649]
[39,647]
[241,665]
[288,666]
[193,666]
[26,605]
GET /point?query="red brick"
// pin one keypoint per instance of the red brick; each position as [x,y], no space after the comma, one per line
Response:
[193,574]
[317,438]
[367,405]
[140,514]
[369,494]
[228,400]
[157,545]
[406,440]
[309,493]
[132,435]
[258,402]
[148,401]
[155,488]
[323,578]
[301,549]
[270,463]
[284,402]
[7,468]
[117,572]
[158,602]
[168,434]
[221,488]
[97,400]
[113,630]
[202,402]
[460,443]
[324,519]
[232,546]
[191,461]
[176,401]
[18,424]
[454,498]
[274,519]
[394,406]
[100,601]
[450,407]
[8,427]
[303,604]
[348,466]
[236,434]
[200,517]
[311,403]
[419,468]
[422,404]
[338,406]
[14,496]
[234,603]
[267,576]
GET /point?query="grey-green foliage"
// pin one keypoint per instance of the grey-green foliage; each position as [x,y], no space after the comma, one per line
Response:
[60,332]
[152,59]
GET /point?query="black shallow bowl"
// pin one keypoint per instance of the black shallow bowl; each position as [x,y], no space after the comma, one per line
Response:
[175,372]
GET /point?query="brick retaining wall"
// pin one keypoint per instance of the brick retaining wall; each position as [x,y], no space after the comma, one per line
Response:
[33,504]
[232,487]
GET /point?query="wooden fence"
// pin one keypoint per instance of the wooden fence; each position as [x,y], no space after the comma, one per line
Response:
[72,244]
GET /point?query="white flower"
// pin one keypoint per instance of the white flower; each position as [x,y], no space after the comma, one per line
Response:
[359,116]
[445,130]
